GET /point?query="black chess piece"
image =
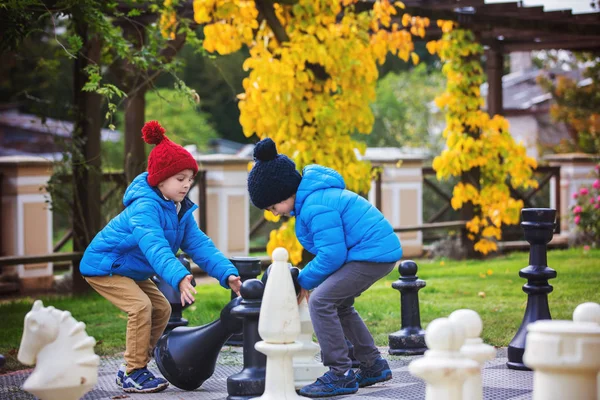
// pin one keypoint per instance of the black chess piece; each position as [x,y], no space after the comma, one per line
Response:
[293,270]
[538,227]
[249,268]
[186,356]
[174,297]
[250,382]
[410,339]
[2,361]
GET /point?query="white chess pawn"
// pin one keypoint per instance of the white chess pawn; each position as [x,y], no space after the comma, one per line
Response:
[589,312]
[443,368]
[306,368]
[474,349]
[279,326]
[565,356]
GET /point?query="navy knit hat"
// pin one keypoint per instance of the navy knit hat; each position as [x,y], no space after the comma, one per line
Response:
[273,178]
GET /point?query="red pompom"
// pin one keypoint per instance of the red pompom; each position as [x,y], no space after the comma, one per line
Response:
[152,132]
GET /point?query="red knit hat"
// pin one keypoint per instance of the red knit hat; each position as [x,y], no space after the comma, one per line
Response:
[166,158]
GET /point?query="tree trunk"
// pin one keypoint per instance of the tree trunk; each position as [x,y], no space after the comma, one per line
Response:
[135,152]
[85,149]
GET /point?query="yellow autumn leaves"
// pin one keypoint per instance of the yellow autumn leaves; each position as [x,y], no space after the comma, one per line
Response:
[313,91]
[474,140]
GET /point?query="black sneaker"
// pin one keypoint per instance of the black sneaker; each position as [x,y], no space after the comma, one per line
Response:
[378,372]
[331,384]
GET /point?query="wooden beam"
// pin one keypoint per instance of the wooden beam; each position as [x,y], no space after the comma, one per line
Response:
[436,225]
[40,258]
[494,69]
[581,45]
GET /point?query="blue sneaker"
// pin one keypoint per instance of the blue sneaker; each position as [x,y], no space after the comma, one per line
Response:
[378,372]
[121,374]
[331,384]
[143,381]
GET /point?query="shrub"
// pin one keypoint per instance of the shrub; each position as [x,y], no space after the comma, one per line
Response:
[586,211]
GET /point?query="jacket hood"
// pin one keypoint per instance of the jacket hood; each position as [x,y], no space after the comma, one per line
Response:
[140,188]
[315,178]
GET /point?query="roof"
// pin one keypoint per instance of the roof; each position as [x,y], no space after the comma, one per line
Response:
[33,123]
[516,25]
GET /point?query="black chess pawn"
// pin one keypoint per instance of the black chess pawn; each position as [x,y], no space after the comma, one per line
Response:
[174,297]
[249,268]
[410,339]
[538,227]
[250,382]
[2,361]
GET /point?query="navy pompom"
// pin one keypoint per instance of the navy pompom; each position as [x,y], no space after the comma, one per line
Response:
[265,150]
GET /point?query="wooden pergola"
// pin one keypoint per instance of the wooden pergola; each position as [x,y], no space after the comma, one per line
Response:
[509,27]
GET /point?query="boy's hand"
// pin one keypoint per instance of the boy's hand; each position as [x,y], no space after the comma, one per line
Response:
[304,294]
[186,289]
[235,283]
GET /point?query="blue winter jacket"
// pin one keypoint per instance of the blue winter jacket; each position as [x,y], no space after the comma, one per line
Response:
[338,226]
[142,240]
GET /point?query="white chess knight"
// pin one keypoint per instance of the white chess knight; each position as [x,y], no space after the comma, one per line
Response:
[565,355]
[443,368]
[279,327]
[474,349]
[66,366]
[306,368]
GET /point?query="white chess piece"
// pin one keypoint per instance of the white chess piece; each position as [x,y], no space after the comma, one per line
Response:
[474,349]
[65,364]
[565,356]
[589,312]
[306,368]
[443,368]
[279,326]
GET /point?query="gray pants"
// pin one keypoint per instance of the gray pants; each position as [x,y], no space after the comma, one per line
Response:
[333,315]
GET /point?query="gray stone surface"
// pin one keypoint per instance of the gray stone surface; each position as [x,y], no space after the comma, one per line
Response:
[500,383]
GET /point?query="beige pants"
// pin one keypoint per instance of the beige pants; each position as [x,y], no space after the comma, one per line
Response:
[148,314]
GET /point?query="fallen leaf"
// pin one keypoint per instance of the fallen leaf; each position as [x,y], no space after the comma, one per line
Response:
[481,294]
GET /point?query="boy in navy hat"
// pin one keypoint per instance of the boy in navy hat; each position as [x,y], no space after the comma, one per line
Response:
[354,246]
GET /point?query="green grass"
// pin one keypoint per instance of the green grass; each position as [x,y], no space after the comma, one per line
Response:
[450,285]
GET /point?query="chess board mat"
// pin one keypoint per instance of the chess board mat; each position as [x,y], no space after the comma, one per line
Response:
[499,382]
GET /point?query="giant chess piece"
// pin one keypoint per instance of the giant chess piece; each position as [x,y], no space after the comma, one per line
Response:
[565,356]
[474,349]
[279,326]
[2,361]
[248,268]
[538,226]
[174,297]
[306,368]
[250,382]
[66,366]
[186,356]
[443,368]
[410,339]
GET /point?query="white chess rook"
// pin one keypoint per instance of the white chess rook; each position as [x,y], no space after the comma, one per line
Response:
[474,349]
[65,364]
[279,326]
[306,368]
[443,368]
[565,355]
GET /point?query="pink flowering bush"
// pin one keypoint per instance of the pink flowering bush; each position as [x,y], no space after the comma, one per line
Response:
[586,212]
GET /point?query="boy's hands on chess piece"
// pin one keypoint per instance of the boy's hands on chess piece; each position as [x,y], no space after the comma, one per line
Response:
[235,283]
[186,289]
[302,295]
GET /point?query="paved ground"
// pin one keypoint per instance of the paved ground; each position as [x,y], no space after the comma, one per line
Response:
[500,383]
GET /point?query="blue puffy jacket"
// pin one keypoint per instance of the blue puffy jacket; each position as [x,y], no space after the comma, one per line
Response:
[338,226]
[143,239]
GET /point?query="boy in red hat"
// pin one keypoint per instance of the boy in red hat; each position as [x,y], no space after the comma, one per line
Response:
[142,241]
